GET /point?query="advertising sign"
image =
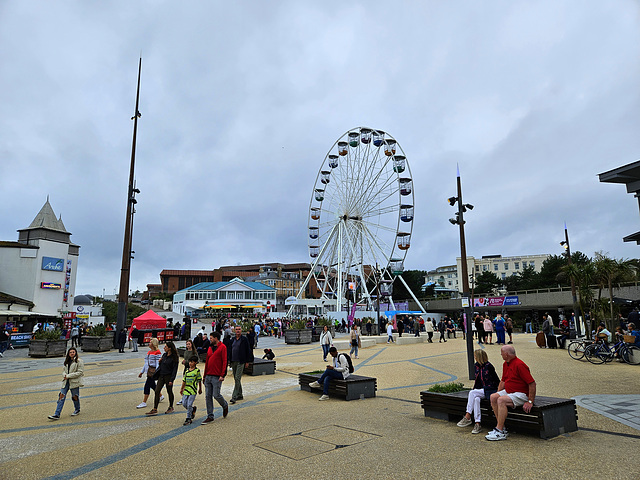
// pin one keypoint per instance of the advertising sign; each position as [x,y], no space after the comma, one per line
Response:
[496,301]
[53,264]
[480,302]
[511,300]
[49,285]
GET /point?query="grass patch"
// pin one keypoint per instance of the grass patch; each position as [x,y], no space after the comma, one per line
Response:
[315,372]
[446,387]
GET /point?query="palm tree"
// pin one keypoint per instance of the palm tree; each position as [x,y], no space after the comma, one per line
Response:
[582,274]
[610,271]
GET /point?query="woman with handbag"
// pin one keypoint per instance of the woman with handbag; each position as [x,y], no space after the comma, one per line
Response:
[487,382]
[151,362]
[326,341]
[72,373]
[355,340]
[165,375]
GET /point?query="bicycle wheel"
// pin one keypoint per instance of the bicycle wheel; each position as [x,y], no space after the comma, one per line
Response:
[631,354]
[576,350]
[594,354]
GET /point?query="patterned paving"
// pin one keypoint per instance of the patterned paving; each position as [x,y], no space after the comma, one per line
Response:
[621,408]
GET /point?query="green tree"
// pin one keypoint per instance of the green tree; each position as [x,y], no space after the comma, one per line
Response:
[486,282]
[415,280]
[110,311]
[610,272]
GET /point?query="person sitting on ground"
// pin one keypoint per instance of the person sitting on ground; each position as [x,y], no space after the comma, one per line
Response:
[268,354]
[339,371]
[517,388]
[486,384]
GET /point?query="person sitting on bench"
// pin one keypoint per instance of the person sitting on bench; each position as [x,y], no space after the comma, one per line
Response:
[516,389]
[339,371]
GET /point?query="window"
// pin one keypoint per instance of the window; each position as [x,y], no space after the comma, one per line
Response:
[247,295]
[532,264]
[477,268]
[484,268]
[504,275]
[516,265]
[222,295]
[495,267]
[506,266]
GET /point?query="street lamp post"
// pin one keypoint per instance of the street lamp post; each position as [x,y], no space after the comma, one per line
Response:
[565,244]
[467,307]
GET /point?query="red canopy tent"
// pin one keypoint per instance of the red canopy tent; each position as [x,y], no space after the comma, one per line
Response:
[149,320]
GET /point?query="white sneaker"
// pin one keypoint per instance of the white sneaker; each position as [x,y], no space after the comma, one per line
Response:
[75,412]
[496,435]
[161,397]
[142,405]
[179,402]
[314,385]
[324,397]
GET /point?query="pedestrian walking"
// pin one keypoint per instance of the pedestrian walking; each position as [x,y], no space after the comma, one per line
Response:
[368,327]
[151,362]
[355,341]
[428,326]
[442,327]
[240,356]
[508,325]
[191,386]
[390,332]
[72,373]
[326,341]
[500,329]
[75,333]
[215,371]
[488,330]
[165,376]
[189,353]
[5,337]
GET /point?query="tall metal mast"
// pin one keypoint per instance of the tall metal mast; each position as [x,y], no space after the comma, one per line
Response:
[125,272]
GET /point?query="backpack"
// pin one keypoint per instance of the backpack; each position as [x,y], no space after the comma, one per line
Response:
[348,357]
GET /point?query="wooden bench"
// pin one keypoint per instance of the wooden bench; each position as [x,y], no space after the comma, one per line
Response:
[354,387]
[548,418]
[261,367]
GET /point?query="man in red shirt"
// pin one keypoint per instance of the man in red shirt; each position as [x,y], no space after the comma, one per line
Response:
[215,370]
[516,389]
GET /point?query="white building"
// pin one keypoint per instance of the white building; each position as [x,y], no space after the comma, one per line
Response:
[450,276]
[41,266]
[250,296]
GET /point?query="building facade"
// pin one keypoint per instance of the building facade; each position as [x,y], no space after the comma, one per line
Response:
[41,267]
[234,294]
[450,276]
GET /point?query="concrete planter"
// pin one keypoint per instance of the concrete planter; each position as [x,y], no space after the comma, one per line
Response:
[91,343]
[316,337]
[297,336]
[48,348]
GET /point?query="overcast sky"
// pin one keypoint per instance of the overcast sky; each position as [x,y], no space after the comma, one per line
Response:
[242,100]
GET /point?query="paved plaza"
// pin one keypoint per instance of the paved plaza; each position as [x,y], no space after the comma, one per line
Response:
[279,431]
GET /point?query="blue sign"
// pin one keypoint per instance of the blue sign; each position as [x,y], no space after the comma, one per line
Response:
[512,300]
[55,264]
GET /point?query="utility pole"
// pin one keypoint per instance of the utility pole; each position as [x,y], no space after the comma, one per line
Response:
[574,297]
[466,303]
[125,272]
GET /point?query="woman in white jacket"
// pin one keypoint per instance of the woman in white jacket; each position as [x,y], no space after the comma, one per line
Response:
[326,341]
[72,373]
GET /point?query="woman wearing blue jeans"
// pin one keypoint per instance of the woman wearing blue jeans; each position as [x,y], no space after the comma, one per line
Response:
[72,373]
[326,341]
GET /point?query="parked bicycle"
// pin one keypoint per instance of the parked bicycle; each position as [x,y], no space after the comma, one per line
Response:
[600,352]
[576,348]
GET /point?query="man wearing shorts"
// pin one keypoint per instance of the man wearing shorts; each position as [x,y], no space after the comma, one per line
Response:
[516,389]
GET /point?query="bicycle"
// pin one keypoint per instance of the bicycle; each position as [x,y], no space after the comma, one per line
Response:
[576,348]
[599,353]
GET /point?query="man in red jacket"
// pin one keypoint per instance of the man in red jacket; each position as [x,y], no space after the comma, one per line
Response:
[215,370]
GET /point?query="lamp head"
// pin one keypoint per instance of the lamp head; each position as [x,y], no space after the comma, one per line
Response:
[452,200]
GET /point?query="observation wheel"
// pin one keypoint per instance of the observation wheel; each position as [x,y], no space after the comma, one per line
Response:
[360,216]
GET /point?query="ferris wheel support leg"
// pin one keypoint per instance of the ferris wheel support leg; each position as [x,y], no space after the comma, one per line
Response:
[412,295]
[360,274]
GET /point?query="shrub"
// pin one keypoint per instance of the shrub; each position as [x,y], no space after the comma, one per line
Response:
[98,330]
[43,334]
[446,387]
[299,324]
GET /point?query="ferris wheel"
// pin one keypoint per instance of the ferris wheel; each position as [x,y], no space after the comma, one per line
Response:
[360,216]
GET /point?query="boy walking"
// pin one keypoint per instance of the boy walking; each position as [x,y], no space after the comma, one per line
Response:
[190,380]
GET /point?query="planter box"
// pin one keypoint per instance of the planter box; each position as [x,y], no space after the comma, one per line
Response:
[316,337]
[48,348]
[97,344]
[297,336]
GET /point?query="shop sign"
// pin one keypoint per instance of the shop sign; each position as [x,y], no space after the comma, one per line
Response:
[51,286]
[53,264]
[511,300]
